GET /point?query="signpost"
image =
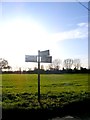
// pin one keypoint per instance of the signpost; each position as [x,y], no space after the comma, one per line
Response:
[45,58]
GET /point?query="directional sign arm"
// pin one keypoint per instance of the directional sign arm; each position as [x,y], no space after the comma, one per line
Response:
[46,59]
[44,53]
[30,58]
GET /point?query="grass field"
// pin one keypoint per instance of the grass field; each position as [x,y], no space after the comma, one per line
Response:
[20,90]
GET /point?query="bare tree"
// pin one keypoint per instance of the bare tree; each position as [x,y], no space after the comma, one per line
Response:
[35,68]
[29,69]
[56,64]
[68,63]
[76,63]
[3,64]
[50,66]
[42,67]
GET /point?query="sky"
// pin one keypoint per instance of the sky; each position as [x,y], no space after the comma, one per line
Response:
[26,27]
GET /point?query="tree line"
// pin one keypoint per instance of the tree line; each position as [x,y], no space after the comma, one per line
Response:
[66,64]
[56,67]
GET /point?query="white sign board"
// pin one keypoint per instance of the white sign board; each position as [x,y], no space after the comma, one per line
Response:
[46,59]
[30,58]
[44,53]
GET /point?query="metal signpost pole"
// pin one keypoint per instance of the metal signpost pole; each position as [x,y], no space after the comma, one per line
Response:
[39,76]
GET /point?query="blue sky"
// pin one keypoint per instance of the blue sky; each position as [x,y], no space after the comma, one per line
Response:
[28,27]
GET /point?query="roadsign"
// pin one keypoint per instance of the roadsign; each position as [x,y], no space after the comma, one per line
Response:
[44,53]
[30,58]
[46,59]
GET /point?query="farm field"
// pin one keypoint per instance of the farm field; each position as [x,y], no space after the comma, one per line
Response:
[20,90]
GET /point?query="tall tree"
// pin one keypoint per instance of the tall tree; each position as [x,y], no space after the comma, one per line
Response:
[4,64]
[56,64]
[50,66]
[42,67]
[68,63]
[76,63]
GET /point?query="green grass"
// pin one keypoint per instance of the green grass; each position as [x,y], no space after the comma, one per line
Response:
[20,90]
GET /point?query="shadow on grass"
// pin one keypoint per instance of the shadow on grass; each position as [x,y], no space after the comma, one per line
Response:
[80,109]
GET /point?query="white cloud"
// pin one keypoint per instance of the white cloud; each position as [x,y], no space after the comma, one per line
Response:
[80,32]
[83,24]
